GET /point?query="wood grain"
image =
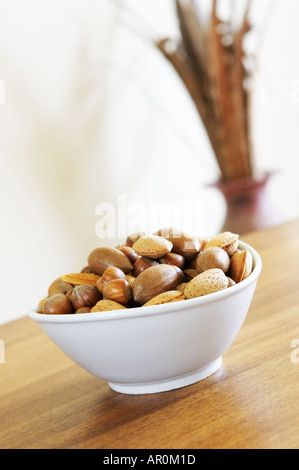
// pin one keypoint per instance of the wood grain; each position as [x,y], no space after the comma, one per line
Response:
[47,401]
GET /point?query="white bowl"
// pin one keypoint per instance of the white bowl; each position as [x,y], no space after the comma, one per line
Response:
[156,348]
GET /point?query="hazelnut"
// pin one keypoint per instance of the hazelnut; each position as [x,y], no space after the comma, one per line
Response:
[130,253]
[118,290]
[59,286]
[212,257]
[143,263]
[108,275]
[58,304]
[174,259]
[83,310]
[85,295]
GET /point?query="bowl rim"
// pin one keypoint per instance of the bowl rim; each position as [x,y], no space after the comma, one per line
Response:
[155,309]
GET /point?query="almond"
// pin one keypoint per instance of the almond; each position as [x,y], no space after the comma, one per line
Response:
[81,278]
[228,241]
[240,265]
[101,258]
[153,247]
[183,244]
[105,305]
[205,283]
[165,298]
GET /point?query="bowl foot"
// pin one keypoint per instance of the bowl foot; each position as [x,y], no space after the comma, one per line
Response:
[166,385]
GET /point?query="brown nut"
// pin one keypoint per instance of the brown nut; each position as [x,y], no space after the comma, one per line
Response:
[141,264]
[102,258]
[190,274]
[130,279]
[240,265]
[226,240]
[212,257]
[108,275]
[59,286]
[58,304]
[173,258]
[83,310]
[118,290]
[183,244]
[153,247]
[153,281]
[40,308]
[130,253]
[85,296]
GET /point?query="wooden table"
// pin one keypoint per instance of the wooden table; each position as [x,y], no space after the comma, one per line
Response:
[48,402]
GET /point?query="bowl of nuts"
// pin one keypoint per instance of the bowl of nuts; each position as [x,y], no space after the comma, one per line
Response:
[156,313]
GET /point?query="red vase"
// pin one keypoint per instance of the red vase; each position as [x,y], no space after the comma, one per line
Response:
[248,205]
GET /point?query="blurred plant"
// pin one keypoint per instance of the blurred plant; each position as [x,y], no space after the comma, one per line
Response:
[209,57]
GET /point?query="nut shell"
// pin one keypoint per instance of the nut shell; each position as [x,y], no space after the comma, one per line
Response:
[212,257]
[85,296]
[143,263]
[108,275]
[226,240]
[59,286]
[133,237]
[118,290]
[154,281]
[174,259]
[103,257]
[153,247]
[58,304]
[240,265]
[166,298]
[183,244]
[105,305]
[205,283]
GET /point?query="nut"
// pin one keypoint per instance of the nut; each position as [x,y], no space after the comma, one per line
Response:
[130,253]
[181,287]
[58,304]
[212,257]
[153,247]
[183,244]
[101,258]
[41,304]
[81,278]
[108,275]
[83,310]
[205,283]
[231,282]
[226,240]
[133,237]
[166,298]
[143,263]
[85,295]
[190,274]
[130,279]
[240,265]
[59,286]
[153,281]
[118,290]
[174,259]
[106,304]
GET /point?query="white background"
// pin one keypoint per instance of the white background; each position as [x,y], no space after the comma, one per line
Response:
[91,111]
